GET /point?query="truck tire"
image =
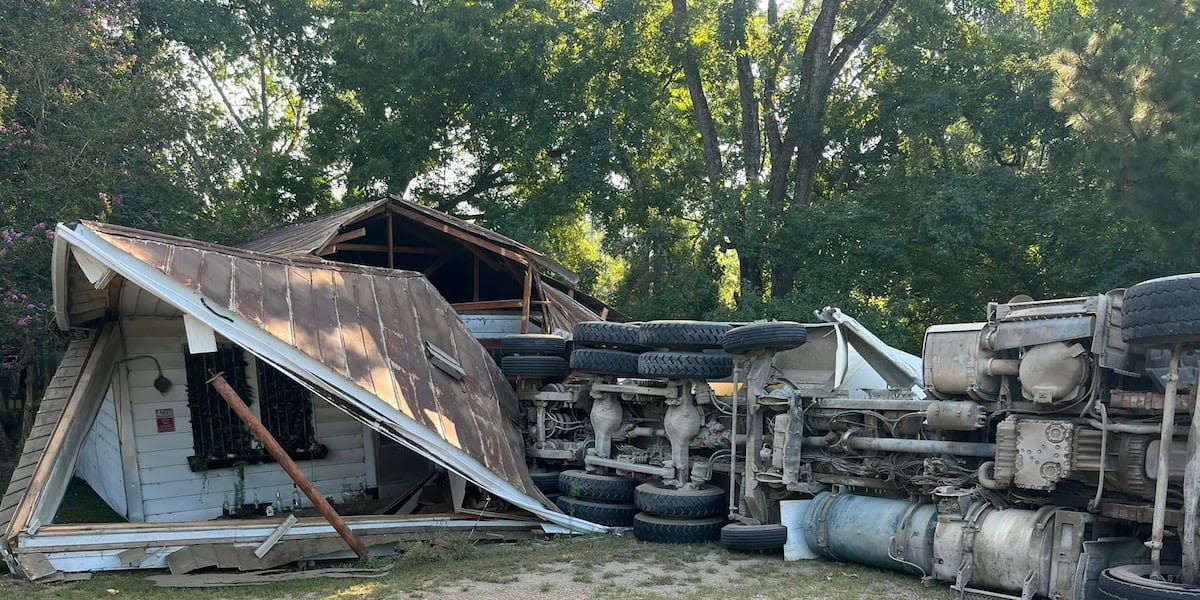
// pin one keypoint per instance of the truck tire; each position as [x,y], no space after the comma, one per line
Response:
[547,367]
[776,335]
[600,513]
[661,530]
[593,486]
[682,335]
[661,501]
[606,334]
[754,538]
[1132,582]
[533,344]
[603,361]
[546,481]
[685,365]
[1162,311]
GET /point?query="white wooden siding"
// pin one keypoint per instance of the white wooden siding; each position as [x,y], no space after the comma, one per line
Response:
[100,457]
[170,490]
[491,327]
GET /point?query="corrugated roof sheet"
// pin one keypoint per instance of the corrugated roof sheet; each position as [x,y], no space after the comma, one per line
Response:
[371,325]
[309,236]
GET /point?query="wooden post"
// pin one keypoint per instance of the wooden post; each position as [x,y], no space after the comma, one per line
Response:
[545,306]
[526,298]
[280,455]
[476,288]
[391,246]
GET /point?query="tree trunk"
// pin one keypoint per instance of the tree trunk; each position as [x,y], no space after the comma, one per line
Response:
[804,140]
[691,75]
[750,274]
[751,146]
[805,120]
[770,85]
[783,273]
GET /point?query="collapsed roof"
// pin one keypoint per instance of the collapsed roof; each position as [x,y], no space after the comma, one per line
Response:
[380,344]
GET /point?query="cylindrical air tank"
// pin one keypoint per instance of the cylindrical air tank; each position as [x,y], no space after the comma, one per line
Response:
[883,533]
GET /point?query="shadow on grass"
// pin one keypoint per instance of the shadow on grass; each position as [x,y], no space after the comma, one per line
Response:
[81,505]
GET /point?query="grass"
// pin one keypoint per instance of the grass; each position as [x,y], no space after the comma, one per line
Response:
[81,505]
[597,567]
[575,567]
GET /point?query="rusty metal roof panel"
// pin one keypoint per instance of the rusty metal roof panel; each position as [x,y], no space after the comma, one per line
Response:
[309,236]
[564,310]
[369,325]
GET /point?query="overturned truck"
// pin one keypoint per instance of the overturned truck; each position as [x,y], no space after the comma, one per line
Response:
[1040,453]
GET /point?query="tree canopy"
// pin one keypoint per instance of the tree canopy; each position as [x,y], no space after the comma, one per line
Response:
[906,161]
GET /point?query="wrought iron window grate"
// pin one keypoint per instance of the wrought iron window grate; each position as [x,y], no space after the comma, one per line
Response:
[220,439]
[286,410]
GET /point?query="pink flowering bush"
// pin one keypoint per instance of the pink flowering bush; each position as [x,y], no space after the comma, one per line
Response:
[26,307]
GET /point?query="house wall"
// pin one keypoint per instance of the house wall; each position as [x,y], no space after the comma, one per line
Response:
[99,461]
[170,490]
[489,327]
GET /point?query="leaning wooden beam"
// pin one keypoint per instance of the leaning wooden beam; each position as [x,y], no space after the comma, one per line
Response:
[281,456]
[275,536]
[526,297]
[437,264]
[353,234]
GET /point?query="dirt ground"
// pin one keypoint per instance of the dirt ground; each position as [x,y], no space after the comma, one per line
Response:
[597,568]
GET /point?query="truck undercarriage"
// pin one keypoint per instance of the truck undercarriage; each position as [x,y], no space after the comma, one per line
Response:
[1048,451]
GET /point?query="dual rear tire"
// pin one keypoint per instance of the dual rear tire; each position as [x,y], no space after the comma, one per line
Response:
[601,499]
[534,356]
[679,516]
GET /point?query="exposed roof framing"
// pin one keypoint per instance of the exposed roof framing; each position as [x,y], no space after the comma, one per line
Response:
[429,232]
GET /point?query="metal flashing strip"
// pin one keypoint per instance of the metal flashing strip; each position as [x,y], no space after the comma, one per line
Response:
[57,538]
[370,409]
[83,551]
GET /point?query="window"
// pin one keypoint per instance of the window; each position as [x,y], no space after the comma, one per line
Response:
[219,437]
[286,410]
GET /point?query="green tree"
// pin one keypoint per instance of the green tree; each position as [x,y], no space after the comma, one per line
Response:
[1126,81]
[95,123]
[254,65]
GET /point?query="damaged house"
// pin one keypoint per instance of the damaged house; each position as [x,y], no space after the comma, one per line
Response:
[355,342]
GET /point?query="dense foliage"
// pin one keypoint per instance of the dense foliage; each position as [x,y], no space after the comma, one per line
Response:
[906,161]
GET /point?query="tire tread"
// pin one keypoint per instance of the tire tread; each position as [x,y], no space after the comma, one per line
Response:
[604,361]
[609,514]
[591,486]
[773,335]
[1162,311]
[649,528]
[706,501]
[685,365]
[682,335]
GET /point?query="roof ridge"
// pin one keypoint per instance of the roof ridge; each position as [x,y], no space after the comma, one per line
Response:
[298,260]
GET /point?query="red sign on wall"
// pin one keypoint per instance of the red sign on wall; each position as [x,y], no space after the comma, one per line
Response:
[166,419]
